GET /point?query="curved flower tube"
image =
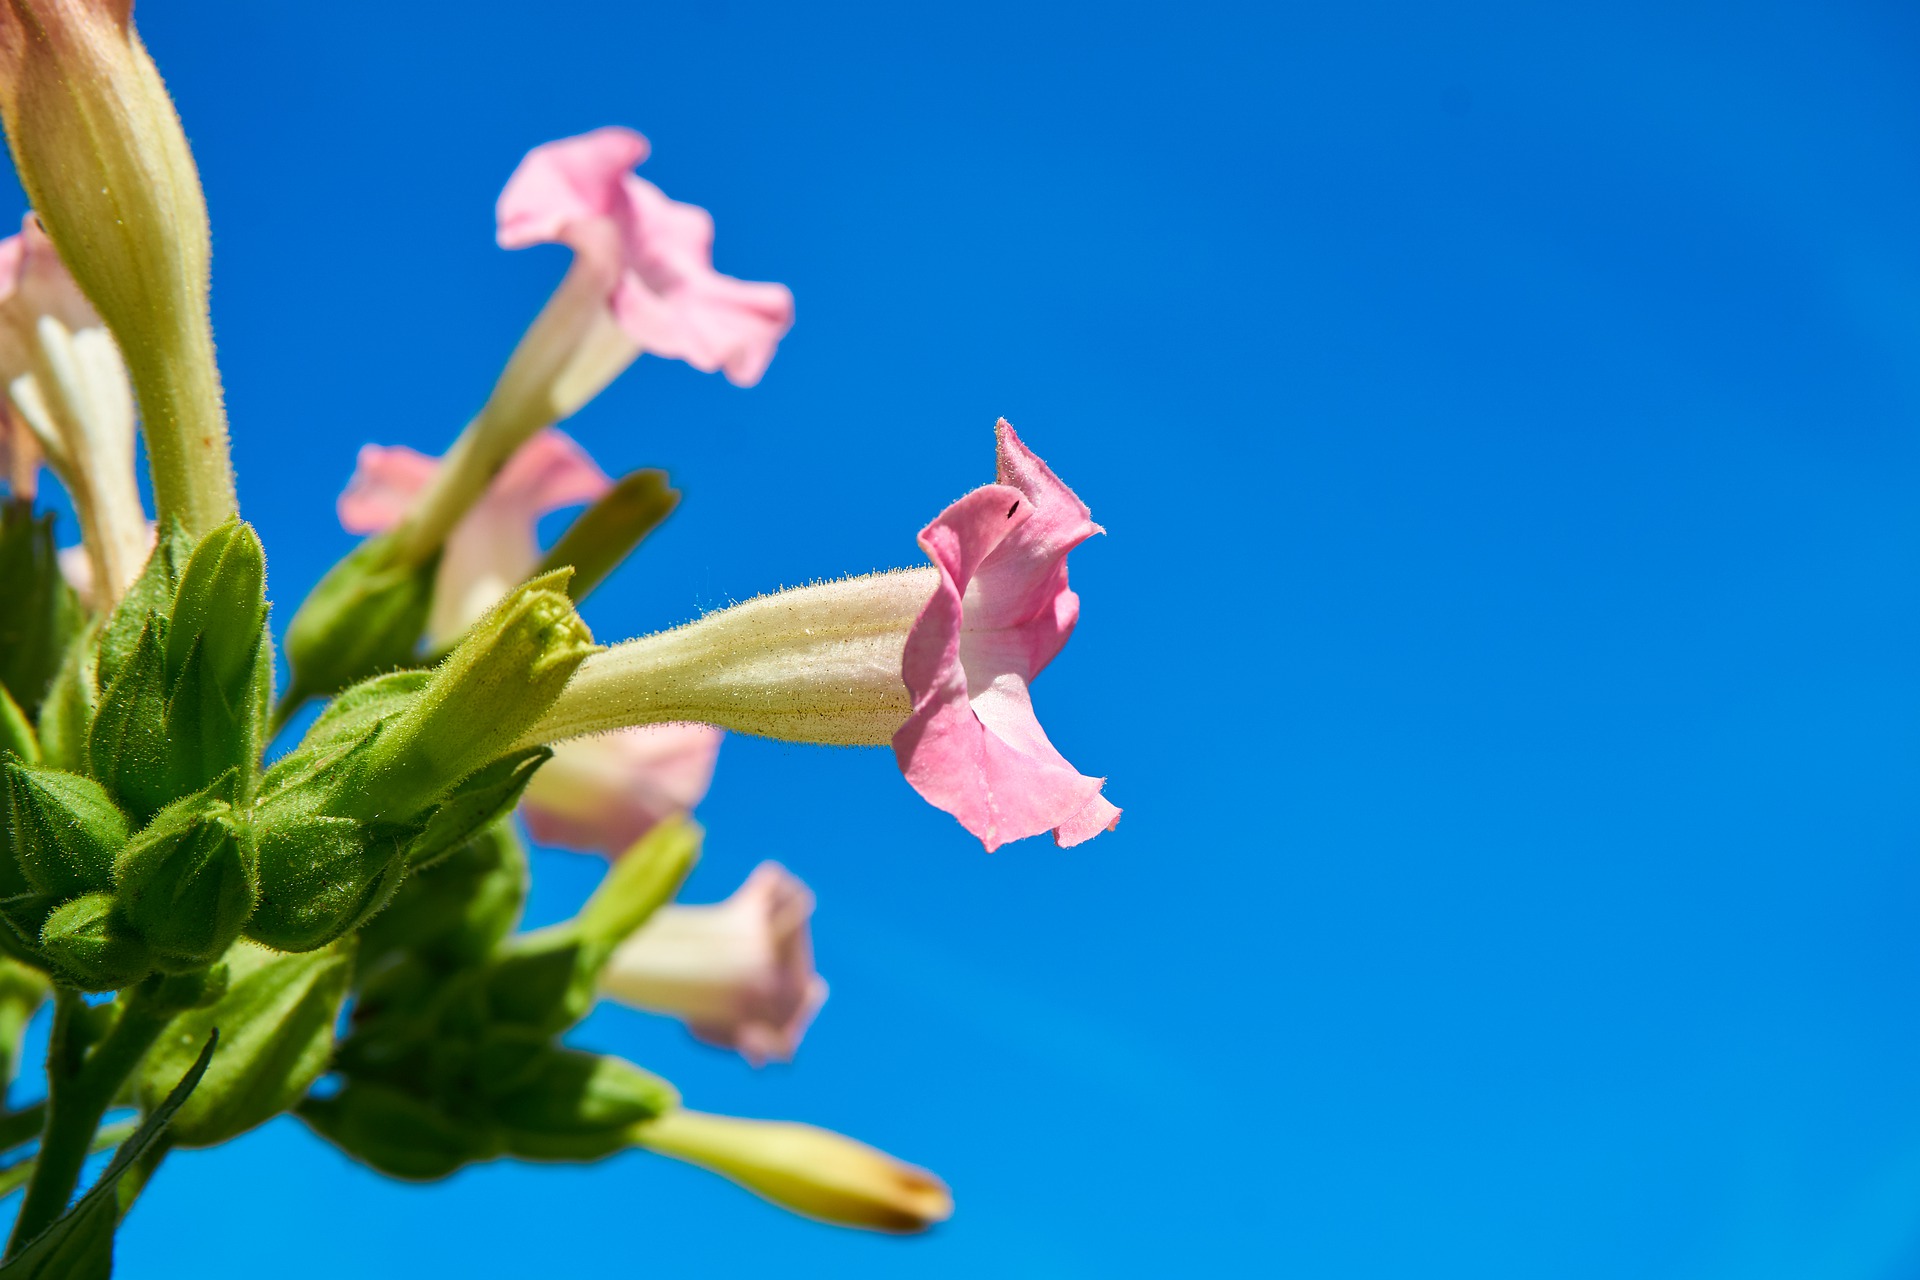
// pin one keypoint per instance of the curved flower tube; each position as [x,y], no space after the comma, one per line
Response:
[739,973]
[493,548]
[935,661]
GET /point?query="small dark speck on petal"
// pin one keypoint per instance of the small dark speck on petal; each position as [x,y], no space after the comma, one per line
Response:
[1015,507]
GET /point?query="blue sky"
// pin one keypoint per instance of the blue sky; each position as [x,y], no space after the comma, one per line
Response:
[1506,643]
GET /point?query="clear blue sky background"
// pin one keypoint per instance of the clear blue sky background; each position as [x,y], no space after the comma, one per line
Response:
[1507,644]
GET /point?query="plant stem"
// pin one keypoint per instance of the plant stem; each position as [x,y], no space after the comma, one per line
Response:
[78,1095]
[185,424]
[21,1126]
[15,1175]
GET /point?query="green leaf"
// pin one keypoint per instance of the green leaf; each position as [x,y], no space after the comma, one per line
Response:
[276,1021]
[40,616]
[79,1243]
[608,531]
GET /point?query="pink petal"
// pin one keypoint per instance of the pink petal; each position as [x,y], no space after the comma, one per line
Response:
[602,794]
[655,253]
[545,474]
[386,480]
[973,745]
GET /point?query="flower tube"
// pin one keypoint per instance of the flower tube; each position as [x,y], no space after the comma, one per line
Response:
[739,973]
[935,662]
[642,280]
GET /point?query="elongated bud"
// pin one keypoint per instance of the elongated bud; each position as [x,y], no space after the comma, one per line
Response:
[814,664]
[189,881]
[92,946]
[810,1171]
[478,703]
[221,603]
[102,156]
[65,829]
[608,531]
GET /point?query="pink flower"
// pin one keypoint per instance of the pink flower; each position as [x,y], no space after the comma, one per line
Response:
[739,973]
[604,793]
[652,257]
[33,282]
[1001,612]
[493,548]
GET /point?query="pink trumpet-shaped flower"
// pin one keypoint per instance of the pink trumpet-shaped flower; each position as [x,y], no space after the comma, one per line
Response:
[739,973]
[603,793]
[1001,612]
[653,256]
[493,548]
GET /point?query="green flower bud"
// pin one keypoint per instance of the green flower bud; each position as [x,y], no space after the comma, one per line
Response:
[320,877]
[495,685]
[580,1106]
[91,945]
[276,1019]
[40,615]
[365,617]
[16,731]
[65,829]
[127,745]
[152,592]
[400,1135]
[66,717]
[221,602]
[189,881]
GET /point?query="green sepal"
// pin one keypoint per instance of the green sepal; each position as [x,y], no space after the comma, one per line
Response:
[454,913]
[66,716]
[17,737]
[78,1245]
[579,1106]
[607,532]
[277,1016]
[208,735]
[474,805]
[549,979]
[396,1132]
[190,879]
[127,747]
[151,593]
[64,829]
[41,616]
[91,945]
[364,617]
[321,877]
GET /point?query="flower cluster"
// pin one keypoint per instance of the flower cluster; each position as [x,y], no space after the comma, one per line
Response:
[239,898]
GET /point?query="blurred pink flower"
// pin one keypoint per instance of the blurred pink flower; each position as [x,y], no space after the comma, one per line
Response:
[493,548]
[650,259]
[739,973]
[601,794]
[1002,610]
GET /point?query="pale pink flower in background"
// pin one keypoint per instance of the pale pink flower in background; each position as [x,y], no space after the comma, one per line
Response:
[739,973]
[35,283]
[493,548]
[601,794]
[1000,613]
[641,259]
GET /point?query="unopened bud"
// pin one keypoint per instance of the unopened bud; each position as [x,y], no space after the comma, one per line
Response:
[221,604]
[65,829]
[320,877]
[579,1106]
[810,1171]
[189,881]
[92,946]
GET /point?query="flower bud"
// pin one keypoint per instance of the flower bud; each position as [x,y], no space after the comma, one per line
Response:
[320,878]
[189,881]
[91,945]
[65,829]
[579,1106]
[102,156]
[38,616]
[221,604]
[395,1132]
[364,618]
[127,745]
[16,731]
[487,693]
[814,664]
[810,1171]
